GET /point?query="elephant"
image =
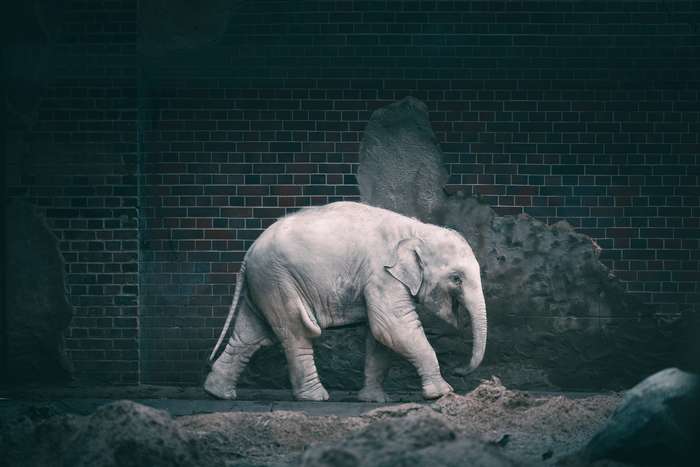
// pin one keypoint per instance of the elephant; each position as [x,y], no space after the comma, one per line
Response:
[345,263]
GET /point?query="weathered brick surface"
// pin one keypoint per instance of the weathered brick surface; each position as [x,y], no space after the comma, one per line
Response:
[584,111]
[76,161]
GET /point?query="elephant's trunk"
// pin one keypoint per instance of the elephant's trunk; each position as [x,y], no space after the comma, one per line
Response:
[479,332]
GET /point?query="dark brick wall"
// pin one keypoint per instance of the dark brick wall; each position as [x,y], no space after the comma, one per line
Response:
[72,154]
[578,110]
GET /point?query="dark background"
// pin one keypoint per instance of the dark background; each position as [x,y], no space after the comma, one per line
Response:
[160,138]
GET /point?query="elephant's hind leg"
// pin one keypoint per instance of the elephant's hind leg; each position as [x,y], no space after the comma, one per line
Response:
[249,333]
[302,369]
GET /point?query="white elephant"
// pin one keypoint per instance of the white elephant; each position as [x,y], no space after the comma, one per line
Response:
[347,263]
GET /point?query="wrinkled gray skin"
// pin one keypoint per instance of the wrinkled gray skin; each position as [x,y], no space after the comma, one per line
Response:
[347,263]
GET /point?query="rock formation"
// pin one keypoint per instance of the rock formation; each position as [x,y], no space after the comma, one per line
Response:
[557,316]
[122,433]
[401,165]
[657,423]
[37,309]
[127,433]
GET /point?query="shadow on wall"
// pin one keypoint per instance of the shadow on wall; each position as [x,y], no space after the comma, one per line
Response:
[38,312]
[558,318]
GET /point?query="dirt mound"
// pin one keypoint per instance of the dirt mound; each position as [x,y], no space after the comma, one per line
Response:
[400,410]
[537,428]
[460,453]
[268,438]
[415,439]
[36,436]
[478,428]
[122,433]
[125,433]
[489,394]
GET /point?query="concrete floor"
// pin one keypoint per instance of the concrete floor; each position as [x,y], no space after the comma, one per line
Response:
[84,399]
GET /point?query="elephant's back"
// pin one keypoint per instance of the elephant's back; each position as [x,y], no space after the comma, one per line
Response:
[330,232]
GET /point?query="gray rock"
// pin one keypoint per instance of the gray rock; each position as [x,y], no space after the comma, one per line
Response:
[551,301]
[401,166]
[38,312]
[415,439]
[657,422]
[122,433]
[125,433]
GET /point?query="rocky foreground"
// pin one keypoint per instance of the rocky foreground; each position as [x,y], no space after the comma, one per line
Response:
[490,426]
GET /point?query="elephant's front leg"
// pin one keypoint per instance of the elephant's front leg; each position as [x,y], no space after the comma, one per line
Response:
[394,323]
[377,360]
[302,369]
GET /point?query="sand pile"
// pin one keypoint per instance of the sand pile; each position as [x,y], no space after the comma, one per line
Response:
[533,428]
[416,439]
[272,438]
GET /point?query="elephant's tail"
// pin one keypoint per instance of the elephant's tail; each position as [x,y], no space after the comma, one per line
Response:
[232,310]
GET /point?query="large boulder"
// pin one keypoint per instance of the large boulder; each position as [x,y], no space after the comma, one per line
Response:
[401,166]
[38,312]
[657,423]
[414,439]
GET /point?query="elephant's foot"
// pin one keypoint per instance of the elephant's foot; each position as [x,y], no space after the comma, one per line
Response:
[372,394]
[219,386]
[434,390]
[317,393]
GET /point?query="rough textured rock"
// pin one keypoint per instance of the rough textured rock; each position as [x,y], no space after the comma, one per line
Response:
[126,433]
[400,162]
[35,436]
[551,301]
[122,433]
[524,427]
[657,422]
[414,439]
[38,312]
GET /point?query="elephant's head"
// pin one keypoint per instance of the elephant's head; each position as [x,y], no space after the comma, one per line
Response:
[442,273]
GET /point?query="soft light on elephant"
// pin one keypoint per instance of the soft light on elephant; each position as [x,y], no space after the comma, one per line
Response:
[347,263]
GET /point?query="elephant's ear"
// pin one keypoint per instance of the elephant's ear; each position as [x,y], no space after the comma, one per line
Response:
[407,265]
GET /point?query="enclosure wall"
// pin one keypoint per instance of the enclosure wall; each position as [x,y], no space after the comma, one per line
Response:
[158,153]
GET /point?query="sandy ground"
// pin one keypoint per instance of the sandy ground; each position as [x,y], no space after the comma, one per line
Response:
[529,429]
[535,430]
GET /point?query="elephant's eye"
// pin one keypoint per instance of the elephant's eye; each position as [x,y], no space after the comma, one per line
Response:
[456,279]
